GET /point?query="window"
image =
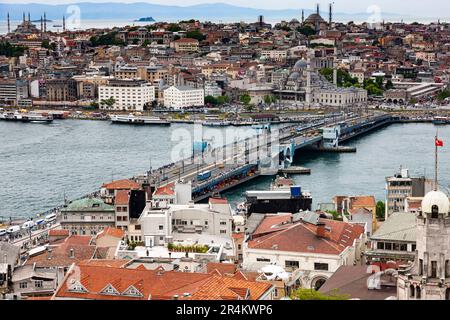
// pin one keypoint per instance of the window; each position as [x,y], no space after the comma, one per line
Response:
[23,285]
[262,259]
[161,227]
[223,231]
[403,247]
[321,266]
[38,284]
[291,264]
[380,245]
[434,212]
[388,246]
[137,227]
[433,269]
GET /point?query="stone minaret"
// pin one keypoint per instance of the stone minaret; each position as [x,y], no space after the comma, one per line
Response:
[9,23]
[45,22]
[64,24]
[308,79]
[303,16]
[24,17]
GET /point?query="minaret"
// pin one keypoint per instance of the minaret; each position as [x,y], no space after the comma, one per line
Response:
[330,18]
[9,24]
[45,22]
[29,18]
[308,79]
[42,25]
[24,17]
[303,16]
[64,24]
[317,20]
[318,11]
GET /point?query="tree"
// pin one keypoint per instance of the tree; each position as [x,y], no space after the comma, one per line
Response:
[223,99]
[389,85]
[211,100]
[311,294]
[245,99]
[443,95]
[108,102]
[306,31]
[380,210]
[108,39]
[173,27]
[6,49]
[195,34]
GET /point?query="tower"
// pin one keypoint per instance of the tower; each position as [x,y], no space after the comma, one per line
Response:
[330,17]
[24,17]
[9,23]
[42,25]
[64,24]
[317,19]
[45,22]
[318,11]
[29,18]
[428,278]
[303,16]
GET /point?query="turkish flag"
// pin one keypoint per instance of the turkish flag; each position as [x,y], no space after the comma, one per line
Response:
[439,143]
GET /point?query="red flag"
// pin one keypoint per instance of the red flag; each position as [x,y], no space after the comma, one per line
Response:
[439,143]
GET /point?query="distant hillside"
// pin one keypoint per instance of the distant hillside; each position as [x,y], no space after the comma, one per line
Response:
[132,11]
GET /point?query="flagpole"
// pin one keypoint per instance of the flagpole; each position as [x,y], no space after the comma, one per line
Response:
[436,162]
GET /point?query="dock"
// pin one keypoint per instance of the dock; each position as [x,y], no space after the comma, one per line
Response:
[295,170]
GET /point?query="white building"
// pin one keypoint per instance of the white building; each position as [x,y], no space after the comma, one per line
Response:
[179,97]
[314,246]
[127,94]
[213,90]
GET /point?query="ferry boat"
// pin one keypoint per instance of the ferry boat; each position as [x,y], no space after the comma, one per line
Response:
[441,120]
[132,119]
[26,117]
[214,123]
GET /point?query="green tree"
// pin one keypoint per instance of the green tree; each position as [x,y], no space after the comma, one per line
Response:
[108,39]
[443,95]
[389,85]
[223,99]
[195,34]
[6,49]
[173,27]
[108,102]
[245,99]
[210,100]
[311,294]
[380,210]
[306,31]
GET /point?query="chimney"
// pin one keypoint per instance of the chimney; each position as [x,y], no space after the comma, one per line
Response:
[320,231]
[71,255]
[49,251]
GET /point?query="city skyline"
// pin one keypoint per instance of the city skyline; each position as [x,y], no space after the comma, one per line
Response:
[432,8]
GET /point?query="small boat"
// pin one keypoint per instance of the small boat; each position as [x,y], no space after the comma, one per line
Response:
[132,119]
[26,117]
[441,120]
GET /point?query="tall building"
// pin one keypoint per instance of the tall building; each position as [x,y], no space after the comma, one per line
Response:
[401,186]
[428,277]
[61,89]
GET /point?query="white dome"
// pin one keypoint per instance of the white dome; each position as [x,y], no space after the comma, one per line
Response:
[435,198]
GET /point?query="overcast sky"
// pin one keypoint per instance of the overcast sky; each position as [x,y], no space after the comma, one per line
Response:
[426,8]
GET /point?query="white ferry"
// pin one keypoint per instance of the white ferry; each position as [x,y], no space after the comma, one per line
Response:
[132,119]
[26,117]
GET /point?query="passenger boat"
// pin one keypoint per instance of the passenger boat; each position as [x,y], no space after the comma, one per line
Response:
[214,123]
[441,120]
[26,117]
[132,119]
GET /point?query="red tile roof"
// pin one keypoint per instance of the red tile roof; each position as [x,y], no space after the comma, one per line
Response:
[223,268]
[156,284]
[113,232]
[218,201]
[122,184]
[167,190]
[302,237]
[58,233]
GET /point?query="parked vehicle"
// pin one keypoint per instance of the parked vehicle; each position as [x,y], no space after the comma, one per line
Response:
[13,229]
[50,217]
[28,225]
[3,232]
[204,175]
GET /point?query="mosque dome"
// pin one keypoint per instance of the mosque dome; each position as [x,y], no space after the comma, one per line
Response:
[314,18]
[436,198]
[294,76]
[300,64]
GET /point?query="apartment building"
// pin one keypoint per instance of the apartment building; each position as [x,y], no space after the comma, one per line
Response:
[179,97]
[185,45]
[130,95]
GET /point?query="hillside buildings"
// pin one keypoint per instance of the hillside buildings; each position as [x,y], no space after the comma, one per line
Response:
[179,97]
[131,95]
